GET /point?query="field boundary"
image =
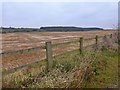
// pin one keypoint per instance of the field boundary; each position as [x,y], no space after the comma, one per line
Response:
[49,57]
[41,47]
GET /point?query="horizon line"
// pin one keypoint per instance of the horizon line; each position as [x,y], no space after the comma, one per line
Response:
[56,26]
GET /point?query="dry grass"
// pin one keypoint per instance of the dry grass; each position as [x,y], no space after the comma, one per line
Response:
[66,72]
[69,70]
[34,39]
[16,60]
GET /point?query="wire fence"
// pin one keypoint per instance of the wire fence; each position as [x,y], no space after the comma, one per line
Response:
[15,60]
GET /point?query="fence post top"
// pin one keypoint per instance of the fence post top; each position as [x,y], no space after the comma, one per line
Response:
[48,42]
[81,37]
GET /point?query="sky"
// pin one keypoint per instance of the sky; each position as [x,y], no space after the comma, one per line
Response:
[80,14]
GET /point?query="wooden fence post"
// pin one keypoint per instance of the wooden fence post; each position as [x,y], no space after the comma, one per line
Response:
[49,55]
[96,42]
[111,36]
[81,45]
[116,37]
[96,39]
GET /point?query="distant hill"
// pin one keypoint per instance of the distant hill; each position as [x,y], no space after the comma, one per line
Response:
[60,28]
[48,29]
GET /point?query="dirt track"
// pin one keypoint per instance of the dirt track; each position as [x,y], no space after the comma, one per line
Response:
[17,41]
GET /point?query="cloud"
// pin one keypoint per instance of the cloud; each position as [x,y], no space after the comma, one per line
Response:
[60,13]
[1,14]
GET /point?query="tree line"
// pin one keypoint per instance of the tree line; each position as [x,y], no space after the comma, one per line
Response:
[47,29]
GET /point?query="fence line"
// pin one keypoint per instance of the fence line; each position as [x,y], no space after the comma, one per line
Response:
[48,48]
[40,47]
[22,51]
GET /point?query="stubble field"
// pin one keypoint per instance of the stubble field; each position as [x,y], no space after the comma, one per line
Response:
[18,41]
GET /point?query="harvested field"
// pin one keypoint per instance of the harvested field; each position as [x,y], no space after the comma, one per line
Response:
[18,41]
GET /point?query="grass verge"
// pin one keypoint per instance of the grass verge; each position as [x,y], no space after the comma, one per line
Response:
[90,70]
[105,71]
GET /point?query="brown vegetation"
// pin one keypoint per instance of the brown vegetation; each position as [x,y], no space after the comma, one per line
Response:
[17,41]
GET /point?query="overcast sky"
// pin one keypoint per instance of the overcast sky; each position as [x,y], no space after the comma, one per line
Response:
[82,14]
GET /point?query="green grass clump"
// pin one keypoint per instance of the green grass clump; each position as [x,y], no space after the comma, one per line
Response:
[91,69]
[105,71]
